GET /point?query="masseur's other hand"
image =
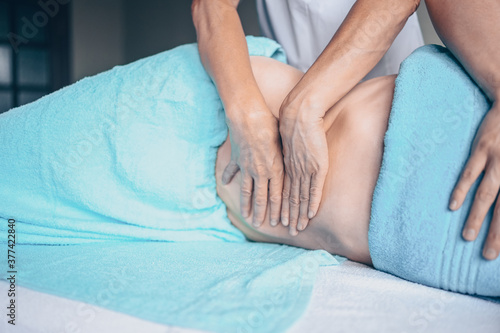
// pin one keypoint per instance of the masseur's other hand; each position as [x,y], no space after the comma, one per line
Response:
[256,151]
[305,153]
[485,157]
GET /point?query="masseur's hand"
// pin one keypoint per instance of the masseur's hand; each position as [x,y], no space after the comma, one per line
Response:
[256,151]
[305,153]
[485,157]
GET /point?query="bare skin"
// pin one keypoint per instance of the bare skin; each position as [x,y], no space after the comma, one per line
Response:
[465,26]
[256,147]
[354,129]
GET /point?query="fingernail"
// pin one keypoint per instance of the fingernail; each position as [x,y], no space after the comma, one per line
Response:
[490,254]
[453,204]
[284,221]
[469,234]
[293,232]
[256,224]
[274,223]
[311,214]
[300,226]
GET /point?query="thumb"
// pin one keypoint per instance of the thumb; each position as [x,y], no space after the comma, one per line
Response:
[231,169]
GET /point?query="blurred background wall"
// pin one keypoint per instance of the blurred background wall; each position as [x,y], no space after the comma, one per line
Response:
[114,32]
[105,33]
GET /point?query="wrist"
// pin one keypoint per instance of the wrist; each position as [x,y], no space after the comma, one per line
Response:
[239,106]
[244,108]
[303,109]
[310,98]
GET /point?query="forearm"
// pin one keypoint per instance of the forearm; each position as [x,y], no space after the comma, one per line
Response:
[362,40]
[224,52]
[471,30]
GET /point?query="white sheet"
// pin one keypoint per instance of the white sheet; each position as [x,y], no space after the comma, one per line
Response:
[347,298]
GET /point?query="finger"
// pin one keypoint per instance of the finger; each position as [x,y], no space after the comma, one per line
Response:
[304,203]
[275,188]
[260,201]
[492,246]
[484,198]
[229,172]
[246,194]
[315,193]
[472,170]
[294,206]
[285,201]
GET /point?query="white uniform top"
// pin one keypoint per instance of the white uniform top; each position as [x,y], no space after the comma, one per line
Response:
[305,27]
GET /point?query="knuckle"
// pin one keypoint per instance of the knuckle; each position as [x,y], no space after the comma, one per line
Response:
[259,171]
[246,192]
[278,170]
[494,237]
[483,145]
[467,174]
[313,167]
[459,192]
[260,187]
[485,195]
[304,198]
[294,201]
[315,191]
[275,198]
[260,201]
[285,195]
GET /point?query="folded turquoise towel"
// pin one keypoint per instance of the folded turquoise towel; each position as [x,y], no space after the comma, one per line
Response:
[120,168]
[435,115]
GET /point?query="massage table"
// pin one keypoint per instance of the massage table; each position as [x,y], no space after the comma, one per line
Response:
[346,298]
[351,297]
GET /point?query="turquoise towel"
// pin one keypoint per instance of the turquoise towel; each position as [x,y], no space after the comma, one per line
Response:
[120,169]
[435,115]
[214,286]
[118,155]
